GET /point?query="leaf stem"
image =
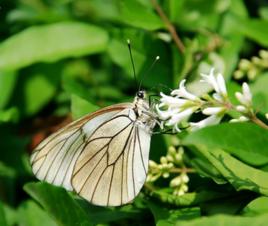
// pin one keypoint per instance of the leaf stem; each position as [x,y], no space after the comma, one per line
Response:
[169,26]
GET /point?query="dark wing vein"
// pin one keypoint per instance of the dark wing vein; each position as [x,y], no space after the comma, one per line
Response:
[138,135]
[98,138]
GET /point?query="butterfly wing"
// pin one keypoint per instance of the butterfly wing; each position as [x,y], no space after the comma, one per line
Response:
[112,168]
[54,158]
[103,156]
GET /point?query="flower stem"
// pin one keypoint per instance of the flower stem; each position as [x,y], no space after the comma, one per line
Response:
[258,122]
[182,170]
[169,26]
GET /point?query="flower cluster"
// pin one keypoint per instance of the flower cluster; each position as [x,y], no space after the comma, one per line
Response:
[169,165]
[177,108]
[254,67]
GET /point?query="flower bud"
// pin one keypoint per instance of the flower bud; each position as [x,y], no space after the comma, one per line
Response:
[184,177]
[244,64]
[175,182]
[163,160]
[263,54]
[152,164]
[171,150]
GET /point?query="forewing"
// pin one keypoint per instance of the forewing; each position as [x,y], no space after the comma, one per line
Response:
[112,168]
[54,158]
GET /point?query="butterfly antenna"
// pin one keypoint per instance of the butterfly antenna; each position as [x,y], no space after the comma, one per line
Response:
[132,62]
[149,69]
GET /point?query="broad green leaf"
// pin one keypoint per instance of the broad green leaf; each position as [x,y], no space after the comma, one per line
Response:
[134,13]
[243,140]
[189,199]
[59,204]
[103,215]
[30,214]
[167,217]
[67,210]
[81,107]
[6,171]
[9,115]
[3,221]
[35,91]
[256,207]
[252,29]
[240,175]
[49,43]
[260,93]
[263,11]
[11,215]
[233,40]
[225,220]
[199,15]
[144,55]
[7,85]
[119,54]
[227,205]
[12,147]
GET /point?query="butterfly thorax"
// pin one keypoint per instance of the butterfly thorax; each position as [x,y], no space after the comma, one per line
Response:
[145,116]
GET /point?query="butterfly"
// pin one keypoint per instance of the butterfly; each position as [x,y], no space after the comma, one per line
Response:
[103,156]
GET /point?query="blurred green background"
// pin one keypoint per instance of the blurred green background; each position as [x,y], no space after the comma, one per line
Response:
[61,59]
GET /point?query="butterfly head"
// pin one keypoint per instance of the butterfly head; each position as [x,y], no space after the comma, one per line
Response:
[141,94]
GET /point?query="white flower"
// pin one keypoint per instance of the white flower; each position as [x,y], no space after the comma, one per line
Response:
[213,110]
[171,101]
[217,83]
[241,109]
[182,92]
[240,119]
[211,120]
[245,98]
[177,118]
[165,114]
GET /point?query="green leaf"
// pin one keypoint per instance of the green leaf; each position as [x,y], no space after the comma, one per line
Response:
[167,217]
[58,203]
[240,175]
[256,207]
[225,220]
[3,221]
[144,50]
[6,171]
[49,43]
[260,93]
[35,90]
[252,29]
[228,205]
[243,140]
[9,115]
[196,15]
[7,84]
[81,107]
[30,214]
[133,13]
[10,214]
[103,215]
[67,210]
[189,199]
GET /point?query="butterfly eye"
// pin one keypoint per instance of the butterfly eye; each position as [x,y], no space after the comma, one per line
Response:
[140,94]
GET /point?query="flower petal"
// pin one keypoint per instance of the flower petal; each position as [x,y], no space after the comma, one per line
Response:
[211,120]
[182,92]
[212,110]
[221,84]
[247,93]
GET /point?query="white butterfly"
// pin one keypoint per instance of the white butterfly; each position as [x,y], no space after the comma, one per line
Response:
[103,156]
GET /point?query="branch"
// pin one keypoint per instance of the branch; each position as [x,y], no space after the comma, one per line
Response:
[169,26]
